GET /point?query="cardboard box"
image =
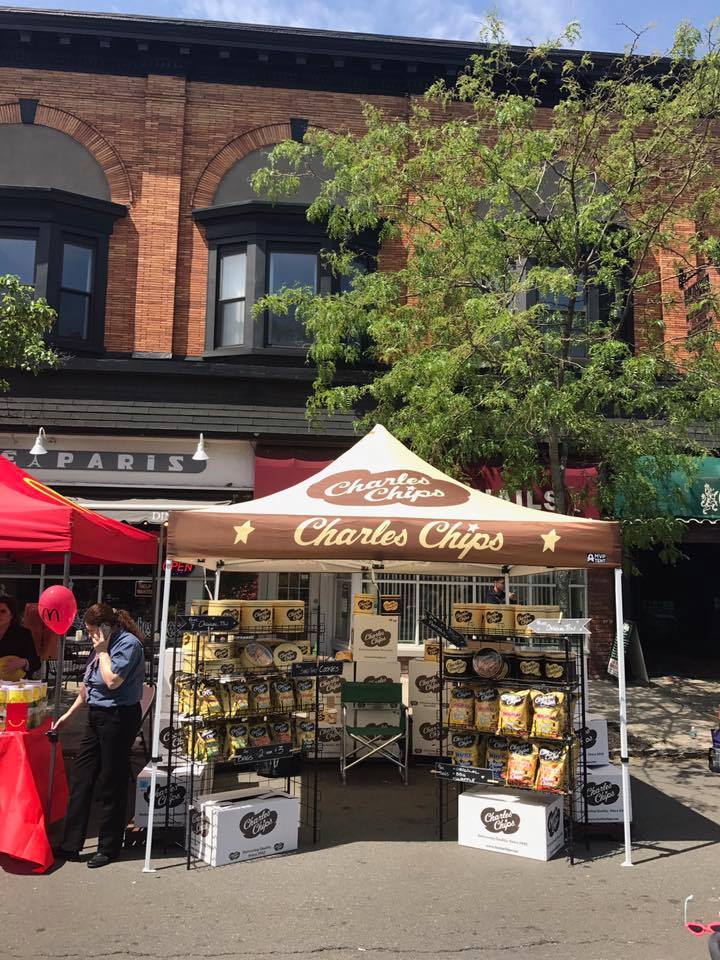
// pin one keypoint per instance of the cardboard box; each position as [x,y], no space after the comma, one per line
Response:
[246,828]
[373,637]
[329,740]
[169,734]
[175,795]
[377,671]
[372,718]
[595,735]
[604,795]
[519,823]
[423,682]
[426,731]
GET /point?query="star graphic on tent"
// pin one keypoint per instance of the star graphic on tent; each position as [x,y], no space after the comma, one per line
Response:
[473,527]
[549,540]
[242,533]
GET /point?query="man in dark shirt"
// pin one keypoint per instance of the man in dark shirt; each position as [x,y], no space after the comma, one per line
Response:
[496,593]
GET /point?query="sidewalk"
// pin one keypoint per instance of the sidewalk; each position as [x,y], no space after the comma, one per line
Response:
[661,715]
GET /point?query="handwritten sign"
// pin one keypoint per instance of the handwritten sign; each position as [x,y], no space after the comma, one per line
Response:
[446,632]
[449,771]
[565,626]
[206,624]
[273,752]
[325,668]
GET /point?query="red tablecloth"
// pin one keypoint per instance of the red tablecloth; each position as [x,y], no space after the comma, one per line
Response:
[24,769]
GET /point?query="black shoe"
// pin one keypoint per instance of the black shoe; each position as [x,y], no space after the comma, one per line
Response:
[72,856]
[100,860]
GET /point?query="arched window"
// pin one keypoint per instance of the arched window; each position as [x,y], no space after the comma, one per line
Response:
[257,247]
[55,224]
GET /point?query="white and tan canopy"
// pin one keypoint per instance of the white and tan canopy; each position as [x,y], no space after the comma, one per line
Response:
[379,505]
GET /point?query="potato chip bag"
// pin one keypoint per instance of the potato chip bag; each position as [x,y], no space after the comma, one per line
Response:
[281,731]
[552,769]
[207,744]
[258,735]
[210,700]
[514,713]
[496,757]
[305,693]
[259,691]
[548,715]
[304,732]
[461,710]
[237,698]
[283,694]
[465,749]
[522,765]
[236,738]
[487,701]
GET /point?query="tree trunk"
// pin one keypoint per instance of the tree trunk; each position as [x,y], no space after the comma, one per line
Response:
[557,453]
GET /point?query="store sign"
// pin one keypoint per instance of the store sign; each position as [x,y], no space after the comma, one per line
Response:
[133,461]
[357,488]
[580,486]
[143,588]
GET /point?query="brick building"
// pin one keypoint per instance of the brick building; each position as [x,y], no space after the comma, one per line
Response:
[126,144]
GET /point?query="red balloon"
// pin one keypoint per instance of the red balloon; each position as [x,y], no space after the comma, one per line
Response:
[57,606]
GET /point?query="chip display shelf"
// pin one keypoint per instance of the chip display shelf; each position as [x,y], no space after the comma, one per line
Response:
[205,737]
[566,653]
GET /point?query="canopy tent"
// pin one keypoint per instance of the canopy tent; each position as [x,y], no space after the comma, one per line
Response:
[381,506]
[39,525]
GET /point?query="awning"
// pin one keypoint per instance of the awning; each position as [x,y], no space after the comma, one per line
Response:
[277,468]
[677,496]
[143,510]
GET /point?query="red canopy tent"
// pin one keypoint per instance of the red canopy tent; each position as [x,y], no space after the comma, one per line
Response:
[39,525]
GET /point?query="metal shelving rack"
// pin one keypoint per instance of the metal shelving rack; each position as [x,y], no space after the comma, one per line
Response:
[452,780]
[268,765]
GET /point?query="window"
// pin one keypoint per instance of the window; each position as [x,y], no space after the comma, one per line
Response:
[17,256]
[230,313]
[559,304]
[58,242]
[290,269]
[74,311]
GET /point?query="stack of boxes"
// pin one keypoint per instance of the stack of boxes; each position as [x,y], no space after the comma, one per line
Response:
[604,779]
[423,697]
[374,646]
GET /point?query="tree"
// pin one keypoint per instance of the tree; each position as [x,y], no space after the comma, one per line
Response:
[541,201]
[24,324]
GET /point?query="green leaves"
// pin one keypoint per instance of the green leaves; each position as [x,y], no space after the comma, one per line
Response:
[24,323]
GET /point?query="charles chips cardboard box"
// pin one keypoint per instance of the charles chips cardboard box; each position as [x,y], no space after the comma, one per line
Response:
[595,735]
[373,637]
[170,797]
[426,731]
[604,795]
[520,823]
[377,671]
[245,828]
[423,682]
[329,741]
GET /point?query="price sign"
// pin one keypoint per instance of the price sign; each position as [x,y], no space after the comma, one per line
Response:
[206,624]
[446,632]
[325,668]
[273,752]
[448,771]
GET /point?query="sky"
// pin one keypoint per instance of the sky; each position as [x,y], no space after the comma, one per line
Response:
[526,21]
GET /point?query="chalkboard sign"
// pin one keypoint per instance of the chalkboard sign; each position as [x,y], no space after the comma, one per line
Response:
[325,668]
[273,752]
[446,632]
[206,624]
[448,771]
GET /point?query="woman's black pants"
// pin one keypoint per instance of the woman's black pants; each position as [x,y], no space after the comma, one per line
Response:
[103,759]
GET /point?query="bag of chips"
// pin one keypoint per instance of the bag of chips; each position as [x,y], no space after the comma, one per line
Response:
[184,687]
[259,691]
[304,732]
[465,749]
[258,735]
[487,701]
[514,713]
[283,695]
[548,715]
[236,738]
[552,769]
[522,765]
[207,744]
[496,757]
[210,700]
[281,731]
[461,710]
[237,699]
[305,693]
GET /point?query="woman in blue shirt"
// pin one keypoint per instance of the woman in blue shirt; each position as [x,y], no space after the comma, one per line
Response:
[112,690]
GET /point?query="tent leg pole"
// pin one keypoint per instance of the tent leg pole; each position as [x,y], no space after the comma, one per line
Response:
[156,586]
[216,588]
[622,694]
[148,868]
